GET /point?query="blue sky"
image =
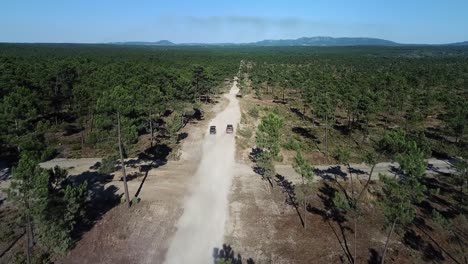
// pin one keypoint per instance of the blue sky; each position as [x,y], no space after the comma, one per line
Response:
[95,21]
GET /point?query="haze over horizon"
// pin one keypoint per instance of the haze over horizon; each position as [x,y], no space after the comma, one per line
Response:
[231,22]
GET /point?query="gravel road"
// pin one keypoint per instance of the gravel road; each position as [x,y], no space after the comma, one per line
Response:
[201,226]
[362,170]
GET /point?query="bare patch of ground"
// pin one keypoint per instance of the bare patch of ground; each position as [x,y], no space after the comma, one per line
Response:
[266,226]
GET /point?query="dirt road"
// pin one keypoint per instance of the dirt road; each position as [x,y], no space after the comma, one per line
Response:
[434,166]
[201,227]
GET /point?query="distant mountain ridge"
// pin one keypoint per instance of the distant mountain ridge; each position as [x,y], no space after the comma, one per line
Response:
[464,43]
[326,41]
[319,41]
[156,43]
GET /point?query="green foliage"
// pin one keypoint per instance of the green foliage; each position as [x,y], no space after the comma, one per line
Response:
[45,88]
[397,202]
[440,220]
[303,168]
[53,203]
[107,165]
[265,163]
[342,155]
[18,108]
[173,125]
[29,185]
[48,154]
[340,201]
[269,134]
[224,261]
[457,118]
[254,112]
[370,158]
[92,138]
[258,94]
[461,174]
[393,142]
[412,161]
[292,144]
[6,232]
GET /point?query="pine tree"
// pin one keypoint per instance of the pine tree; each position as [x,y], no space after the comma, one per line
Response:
[306,171]
[397,206]
[29,190]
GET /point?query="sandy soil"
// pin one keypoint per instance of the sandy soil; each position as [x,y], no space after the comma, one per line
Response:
[265,227]
[73,166]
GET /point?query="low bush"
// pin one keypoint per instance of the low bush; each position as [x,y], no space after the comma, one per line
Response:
[107,165]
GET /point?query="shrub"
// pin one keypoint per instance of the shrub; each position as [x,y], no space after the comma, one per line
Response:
[6,232]
[92,138]
[254,112]
[246,133]
[292,144]
[107,165]
[440,220]
[48,154]
[258,94]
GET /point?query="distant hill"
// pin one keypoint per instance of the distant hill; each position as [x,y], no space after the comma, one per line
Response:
[464,43]
[305,41]
[326,41]
[156,43]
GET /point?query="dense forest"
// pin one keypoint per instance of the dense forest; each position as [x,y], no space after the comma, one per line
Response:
[356,104]
[422,91]
[365,106]
[87,100]
[81,88]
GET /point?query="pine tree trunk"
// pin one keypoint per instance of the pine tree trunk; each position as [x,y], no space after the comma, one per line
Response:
[304,112]
[92,122]
[304,201]
[82,140]
[326,137]
[388,240]
[28,238]
[151,129]
[355,238]
[122,162]
[462,193]
[305,212]
[349,121]
[367,183]
[352,182]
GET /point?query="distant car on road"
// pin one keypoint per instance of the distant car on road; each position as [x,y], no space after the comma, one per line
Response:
[229,129]
[212,130]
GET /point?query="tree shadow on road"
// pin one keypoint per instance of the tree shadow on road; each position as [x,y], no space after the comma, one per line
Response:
[226,253]
[100,200]
[331,173]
